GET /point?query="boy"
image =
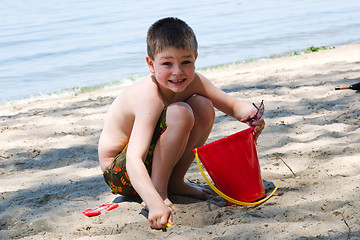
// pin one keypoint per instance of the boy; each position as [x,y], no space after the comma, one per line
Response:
[179,104]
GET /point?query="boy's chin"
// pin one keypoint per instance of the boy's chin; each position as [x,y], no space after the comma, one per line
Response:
[177,89]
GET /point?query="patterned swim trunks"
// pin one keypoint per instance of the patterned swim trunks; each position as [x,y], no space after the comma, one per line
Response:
[116,175]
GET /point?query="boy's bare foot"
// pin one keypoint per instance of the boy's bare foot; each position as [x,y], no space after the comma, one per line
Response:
[189,190]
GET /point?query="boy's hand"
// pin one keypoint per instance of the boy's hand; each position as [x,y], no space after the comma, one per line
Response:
[256,120]
[259,127]
[160,216]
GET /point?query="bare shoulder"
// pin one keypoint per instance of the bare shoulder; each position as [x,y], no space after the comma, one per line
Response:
[200,76]
[136,97]
[219,98]
[202,85]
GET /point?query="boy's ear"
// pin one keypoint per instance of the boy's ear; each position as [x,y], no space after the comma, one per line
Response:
[150,63]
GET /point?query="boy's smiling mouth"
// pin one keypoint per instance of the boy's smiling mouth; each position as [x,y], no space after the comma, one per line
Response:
[177,80]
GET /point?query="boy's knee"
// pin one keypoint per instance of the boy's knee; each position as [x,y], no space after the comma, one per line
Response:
[203,107]
[180,115]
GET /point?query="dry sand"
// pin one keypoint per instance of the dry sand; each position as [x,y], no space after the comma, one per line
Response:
[50,173]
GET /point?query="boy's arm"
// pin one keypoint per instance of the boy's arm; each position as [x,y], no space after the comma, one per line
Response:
[239,109]
[145,120]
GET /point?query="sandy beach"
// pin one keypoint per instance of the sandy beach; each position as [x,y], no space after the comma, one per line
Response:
[50,173]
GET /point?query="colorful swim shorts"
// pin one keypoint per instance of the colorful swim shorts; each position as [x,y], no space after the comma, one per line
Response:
[116,175]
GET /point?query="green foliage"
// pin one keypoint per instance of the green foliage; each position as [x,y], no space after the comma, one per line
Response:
[316,49]
[313,49]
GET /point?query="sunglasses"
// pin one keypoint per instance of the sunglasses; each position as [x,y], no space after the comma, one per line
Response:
[259,113]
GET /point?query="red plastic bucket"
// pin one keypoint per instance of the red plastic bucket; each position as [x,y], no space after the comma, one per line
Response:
[233,165]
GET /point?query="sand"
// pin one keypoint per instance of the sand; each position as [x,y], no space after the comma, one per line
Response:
[50,172]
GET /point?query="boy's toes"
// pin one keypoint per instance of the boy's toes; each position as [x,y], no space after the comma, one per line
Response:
[206,194]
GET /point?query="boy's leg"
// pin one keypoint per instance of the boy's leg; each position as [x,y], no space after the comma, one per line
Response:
[171,144]
[204,115]
[188,126]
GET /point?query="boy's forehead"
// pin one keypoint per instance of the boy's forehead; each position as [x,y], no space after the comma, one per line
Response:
[175,52]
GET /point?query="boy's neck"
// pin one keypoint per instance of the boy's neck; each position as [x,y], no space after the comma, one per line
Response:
[168,97]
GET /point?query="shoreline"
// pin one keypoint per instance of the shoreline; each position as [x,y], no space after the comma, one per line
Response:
[132,79]
[50,171]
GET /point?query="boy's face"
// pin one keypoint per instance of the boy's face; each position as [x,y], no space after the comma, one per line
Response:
[173,68]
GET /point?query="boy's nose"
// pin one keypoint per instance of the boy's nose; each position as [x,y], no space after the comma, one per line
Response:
[177,71]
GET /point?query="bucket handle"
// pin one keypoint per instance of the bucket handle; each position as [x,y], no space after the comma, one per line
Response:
[224,195]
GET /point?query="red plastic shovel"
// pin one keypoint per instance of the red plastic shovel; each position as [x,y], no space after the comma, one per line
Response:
[95,212]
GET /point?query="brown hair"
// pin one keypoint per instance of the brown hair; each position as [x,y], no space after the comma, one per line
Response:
[170,32]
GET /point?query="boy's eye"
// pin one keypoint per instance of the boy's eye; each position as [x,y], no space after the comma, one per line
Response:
[167,63]
[186,62]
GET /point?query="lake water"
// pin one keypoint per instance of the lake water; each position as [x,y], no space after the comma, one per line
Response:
[48,46]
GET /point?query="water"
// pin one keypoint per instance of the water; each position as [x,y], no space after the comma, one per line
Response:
[47,46]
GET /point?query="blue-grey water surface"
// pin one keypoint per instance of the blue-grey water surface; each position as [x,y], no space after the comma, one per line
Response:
[47,46]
